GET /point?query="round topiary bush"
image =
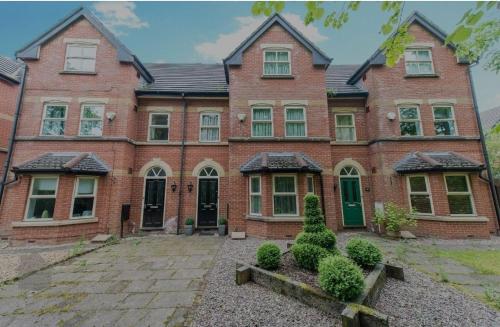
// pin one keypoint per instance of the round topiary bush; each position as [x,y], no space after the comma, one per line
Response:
[363,252]
[340,277]
[308,256]
[268,256]
[325,239]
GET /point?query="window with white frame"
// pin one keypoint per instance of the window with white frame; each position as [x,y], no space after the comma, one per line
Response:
[42,198]
[209,127]
[310,183]
[418,62]
[444,120]
[295,122]
[460,199]
[54,119]
[84,197]
[409,121]
[255,196]
[345,130]
[419,192]
[276,62]
[91,120]
[80,57]
[159,124]
[262,122]
[285,195]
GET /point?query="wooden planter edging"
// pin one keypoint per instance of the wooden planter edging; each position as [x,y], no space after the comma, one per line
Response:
[357,313]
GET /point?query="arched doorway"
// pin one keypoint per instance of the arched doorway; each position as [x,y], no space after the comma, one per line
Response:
[154,198]
[351,197]
[208,198]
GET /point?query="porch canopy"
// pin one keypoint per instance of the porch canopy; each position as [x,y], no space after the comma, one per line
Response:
[83,163]
[436,162]
[280,162]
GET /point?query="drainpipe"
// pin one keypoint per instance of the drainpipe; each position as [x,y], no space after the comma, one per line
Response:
[322,194]
[10,148]
[491,181]
[181,177]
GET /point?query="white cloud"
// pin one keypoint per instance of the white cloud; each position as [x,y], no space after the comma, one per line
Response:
[119,15]
[225,43]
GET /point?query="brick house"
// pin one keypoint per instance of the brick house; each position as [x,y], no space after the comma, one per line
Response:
[245,140]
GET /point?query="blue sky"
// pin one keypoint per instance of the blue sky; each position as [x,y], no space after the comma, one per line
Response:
[206,31]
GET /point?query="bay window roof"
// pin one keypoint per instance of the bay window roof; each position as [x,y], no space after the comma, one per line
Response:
[280,162]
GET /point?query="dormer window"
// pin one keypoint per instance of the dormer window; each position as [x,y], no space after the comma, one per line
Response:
[419,62]
[277,63]
[80,57]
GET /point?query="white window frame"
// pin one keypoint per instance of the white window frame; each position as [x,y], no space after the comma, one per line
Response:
[469,193]
[218,126]
[276,50]
[79,44]
[428,192]
[418,120]
[150,125]
[286,193]
[102,107]
[255,194]
[353,126]
[53,119]
[304,121]
[31,196]
[94,196]
[418,61]
[262,121]
[310,177]
[442,119]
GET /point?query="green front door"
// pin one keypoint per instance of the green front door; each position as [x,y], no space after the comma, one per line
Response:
[351,201]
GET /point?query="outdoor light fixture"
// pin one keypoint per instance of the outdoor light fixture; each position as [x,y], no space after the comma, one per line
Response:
[242,117]
[334,187]
[110,115]
[190,187]
[173,186]
[391,116]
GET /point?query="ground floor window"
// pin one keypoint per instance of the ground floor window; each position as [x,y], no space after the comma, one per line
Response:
[255,196]
[285,195]
[459,194]
[420,197]
[310,184]
[84,197]
[42,198]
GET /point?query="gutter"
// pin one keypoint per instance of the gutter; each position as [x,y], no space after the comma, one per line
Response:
[491,181]
[183,158]
[10,148]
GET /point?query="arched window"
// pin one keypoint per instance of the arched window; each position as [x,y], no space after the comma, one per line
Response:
[208,172]
[156,172]
[349,171]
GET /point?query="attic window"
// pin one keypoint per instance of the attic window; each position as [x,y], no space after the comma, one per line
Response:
[419,62]
[277,63]
[80,58]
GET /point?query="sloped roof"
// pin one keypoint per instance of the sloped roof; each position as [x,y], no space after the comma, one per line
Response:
[280,162]
[64,162]
[490,118]
[10,70]
[436,161]
[32,50]
[336,80]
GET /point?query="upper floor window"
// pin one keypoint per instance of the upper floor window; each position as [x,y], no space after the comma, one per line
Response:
[418,62]
[444,120]
[409,121]
[345,130]
[42,198]
[91,120]
[84,197]
[80,57]
[420,196]
[209,127]
[262,122]
[54,118]
[277,62]
[159,124]
[459,195]
[295,122]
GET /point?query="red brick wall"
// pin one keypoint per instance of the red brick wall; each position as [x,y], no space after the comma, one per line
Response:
[8,96]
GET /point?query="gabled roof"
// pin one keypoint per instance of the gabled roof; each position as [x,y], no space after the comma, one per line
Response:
[336,81]
[319,57]
[64,162]
[32,50]
[280,162]
[436,161]
[490,118]
[378,57]
[10,70]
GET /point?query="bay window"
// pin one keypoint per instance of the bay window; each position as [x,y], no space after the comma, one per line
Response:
[262,122]
[84,197]
[255,195]
[285,195]
[310,184]
[419,192]
[42,198]
[295,122]
[459,194]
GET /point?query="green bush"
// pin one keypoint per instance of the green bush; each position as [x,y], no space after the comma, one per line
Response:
[189,222]
[363,252]
[394,217]
[268,256]
[340,277]
[308,256]
[325,239]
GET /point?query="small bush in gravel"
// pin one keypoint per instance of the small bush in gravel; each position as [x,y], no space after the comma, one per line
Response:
[363,252]
[268,256]
[308,256]
[325,239]
[340,277]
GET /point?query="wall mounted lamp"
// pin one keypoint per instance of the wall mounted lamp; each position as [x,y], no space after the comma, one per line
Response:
[190,187]
[173,186]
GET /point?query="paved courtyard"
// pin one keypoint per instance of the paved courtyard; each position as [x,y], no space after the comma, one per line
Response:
[154,281]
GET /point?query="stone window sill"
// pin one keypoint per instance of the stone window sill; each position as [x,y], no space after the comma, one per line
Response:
[66,72]
[53,223]
[473,219]
[276,219]
[277,77]
[422,75]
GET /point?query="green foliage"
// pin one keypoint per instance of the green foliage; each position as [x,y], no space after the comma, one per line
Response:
[325,239]
[493,146]
[222,221]
[268,256]
[189,222]
[394,47]
[267,7]
[394,217]
[363,252]
[308,256]
[340,277]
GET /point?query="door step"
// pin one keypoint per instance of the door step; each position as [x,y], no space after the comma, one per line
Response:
[207,232]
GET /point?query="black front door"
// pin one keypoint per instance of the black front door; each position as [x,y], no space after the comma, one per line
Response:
[207,202]
[154,199]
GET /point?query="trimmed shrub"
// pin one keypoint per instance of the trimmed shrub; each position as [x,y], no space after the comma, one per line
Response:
[363,252]
[268,256]
[308,256]
[325,239]
[340,277]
